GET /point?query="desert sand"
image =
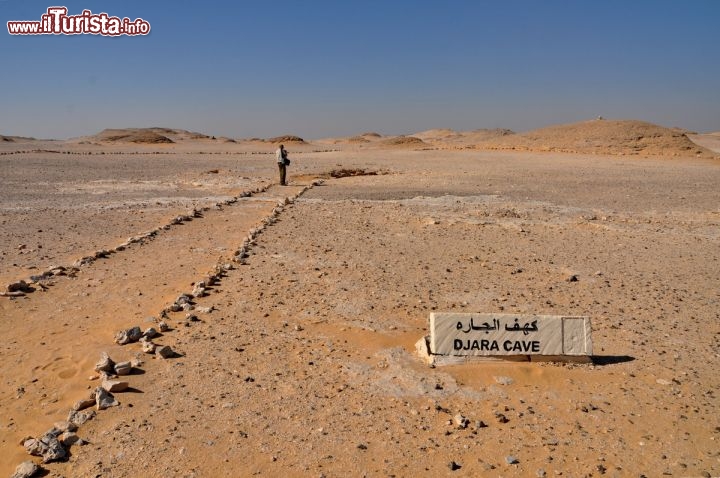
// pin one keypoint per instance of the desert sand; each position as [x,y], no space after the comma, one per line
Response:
[300,360]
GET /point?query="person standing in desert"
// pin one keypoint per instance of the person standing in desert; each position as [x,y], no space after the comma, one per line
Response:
[283,161]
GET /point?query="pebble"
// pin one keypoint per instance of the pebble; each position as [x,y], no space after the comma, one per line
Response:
[48,447]
[80,418]
[104,399]
[25,469]
[163,326]
[150,333]
[460,421]
[105,364]
[148,347]
[454,466]
[84,403]
[69,439]
[132,334]
[102,253]
[19,286]
[123,368]
[501,417]
[511,460]
[165,352]
[65,426]
[114,386]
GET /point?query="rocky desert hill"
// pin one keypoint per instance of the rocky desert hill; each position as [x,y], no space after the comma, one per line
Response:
[621,137]
[403,141]
[288,138]
[15,139]
[154,135]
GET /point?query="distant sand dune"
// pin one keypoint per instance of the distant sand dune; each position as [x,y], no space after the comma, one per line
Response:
[603,137]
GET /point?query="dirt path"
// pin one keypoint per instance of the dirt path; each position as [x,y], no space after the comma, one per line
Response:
[53,338]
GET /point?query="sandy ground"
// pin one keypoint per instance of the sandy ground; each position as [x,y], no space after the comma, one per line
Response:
[301,362]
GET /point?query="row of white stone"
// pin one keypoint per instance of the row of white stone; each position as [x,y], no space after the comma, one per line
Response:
[53,444]
[24,287]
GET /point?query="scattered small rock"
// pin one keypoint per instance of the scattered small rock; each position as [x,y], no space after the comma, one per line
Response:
[123,368]
[511,460]
[79,418]
[115,386]
[84,403]
[132,334]
[504,380]
[150,333]
[19,286]
[165,352]
[148,347]
[26,469]
[163,326]
[104,399]
[460,421]
[65,426]
[501,417]
[48,447]
[454,466]
[69,439]
[105,364]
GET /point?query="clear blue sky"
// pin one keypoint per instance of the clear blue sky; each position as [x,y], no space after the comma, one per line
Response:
[330,68]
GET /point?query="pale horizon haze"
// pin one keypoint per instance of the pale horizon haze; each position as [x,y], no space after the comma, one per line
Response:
[328,68]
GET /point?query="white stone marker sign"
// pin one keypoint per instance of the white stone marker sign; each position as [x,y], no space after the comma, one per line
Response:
[463,334]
